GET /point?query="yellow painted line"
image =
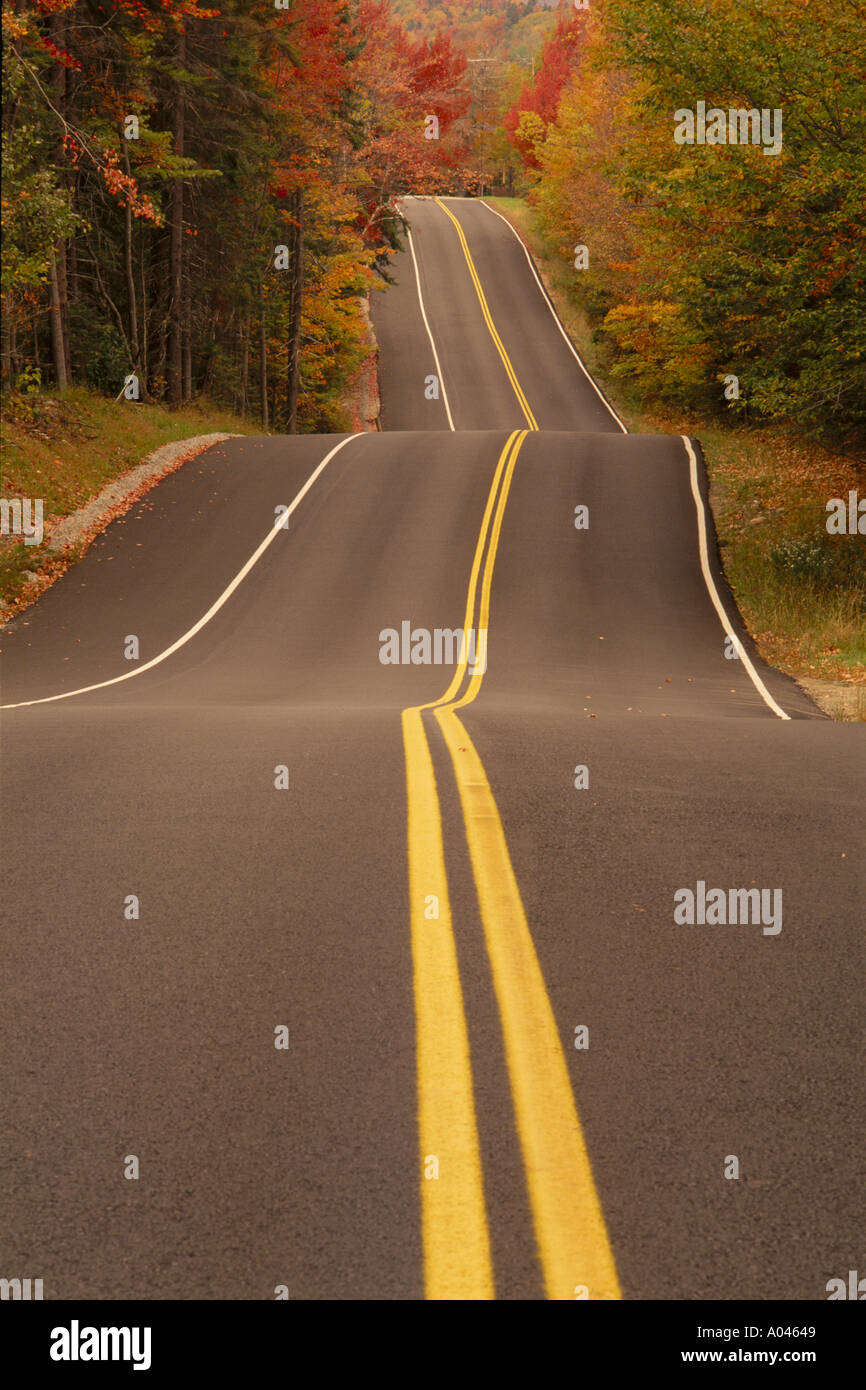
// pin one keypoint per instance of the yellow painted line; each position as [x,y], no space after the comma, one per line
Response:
[457,1263]
[573,1243]
[488,319]
[569,1225]
[515,443]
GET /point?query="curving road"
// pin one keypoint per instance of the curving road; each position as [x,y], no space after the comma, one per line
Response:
[510,1072]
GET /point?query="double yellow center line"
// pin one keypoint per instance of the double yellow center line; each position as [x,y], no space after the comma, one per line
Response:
[488,319]
[572,1242]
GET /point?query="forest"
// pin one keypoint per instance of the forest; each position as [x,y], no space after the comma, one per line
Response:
[200,199]
[716,278]
[507,30]
[196,199]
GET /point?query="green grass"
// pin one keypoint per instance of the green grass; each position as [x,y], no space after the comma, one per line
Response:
[66,449]
[801,592]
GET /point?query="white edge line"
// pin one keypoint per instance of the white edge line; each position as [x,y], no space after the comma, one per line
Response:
[549,302]
[429,330]
[711,584]
[214,608]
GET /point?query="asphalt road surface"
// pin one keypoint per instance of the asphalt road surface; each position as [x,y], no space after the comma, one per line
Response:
[368,965]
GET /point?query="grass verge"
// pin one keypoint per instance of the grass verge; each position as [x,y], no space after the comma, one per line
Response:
[66,449]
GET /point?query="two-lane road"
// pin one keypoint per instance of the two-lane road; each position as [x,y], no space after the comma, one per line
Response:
[469,308]
[509,1070]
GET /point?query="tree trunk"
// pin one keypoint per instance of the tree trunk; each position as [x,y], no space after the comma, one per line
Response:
[59,289]
[73,284]
[295,305]
[132,306]
[58,350]
[187,343]
[72,267]
[63,298]
[263,362]
[175,313]
[145,363]
[161,321]
[6,338]
[245,362]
